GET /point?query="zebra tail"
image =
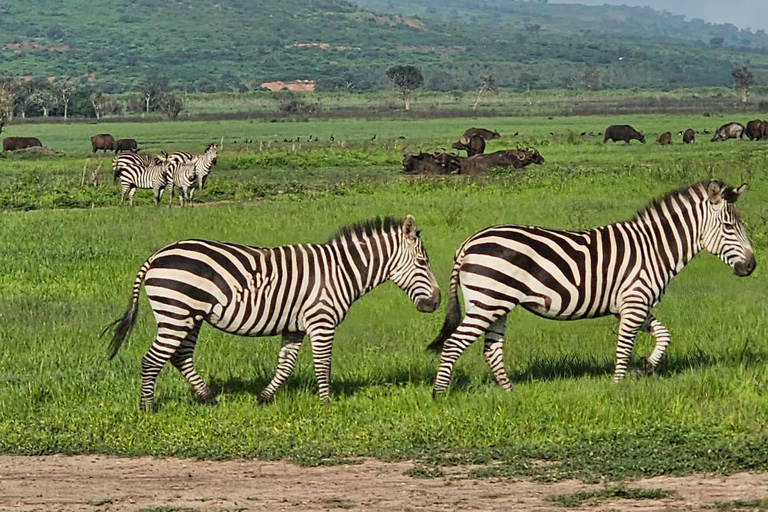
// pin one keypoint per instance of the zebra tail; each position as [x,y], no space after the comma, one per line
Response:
[116,171]
[453,313]
[124,325]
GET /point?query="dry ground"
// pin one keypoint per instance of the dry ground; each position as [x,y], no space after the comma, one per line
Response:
[94,483]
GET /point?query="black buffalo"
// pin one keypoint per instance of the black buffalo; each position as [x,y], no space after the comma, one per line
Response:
[729,131]
[103,141]
[430,163]
[481,132]
[623,132]
[757,130]
[14,143]
[689,136]
[126,145]
[517,158]
[665,138]
[473,145]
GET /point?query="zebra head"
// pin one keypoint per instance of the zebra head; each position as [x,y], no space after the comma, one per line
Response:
[724,235]
[206,161]
[411,270]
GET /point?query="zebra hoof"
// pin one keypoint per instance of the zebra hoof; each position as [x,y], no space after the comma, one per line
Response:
[148,407]
[263,400]
[209,400]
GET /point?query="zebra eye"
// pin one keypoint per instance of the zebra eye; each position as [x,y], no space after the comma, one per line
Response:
[422,261]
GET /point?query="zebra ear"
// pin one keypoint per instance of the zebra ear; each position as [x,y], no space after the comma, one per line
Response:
[409,228]
[733,194]
[715,191]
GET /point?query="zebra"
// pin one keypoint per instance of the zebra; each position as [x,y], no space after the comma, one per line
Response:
[135,171]
[180,157]
[293,290]
[191,174]
[620,269]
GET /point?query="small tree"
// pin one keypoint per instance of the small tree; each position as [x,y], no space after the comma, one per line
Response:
[407,79]
[46,98]
[99,103]
[171,105]
[9,91]
[66,89]
[4,108]
[591,79]
[742,80]
[528,80]
[154,87]
[25,97]
[488,85]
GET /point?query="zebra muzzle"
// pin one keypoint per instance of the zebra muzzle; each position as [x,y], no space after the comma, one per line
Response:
[746,267]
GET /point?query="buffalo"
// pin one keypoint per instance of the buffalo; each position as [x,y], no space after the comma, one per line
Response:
[482,133]
[517,158]
[665,138]
[126,145]
[473,145]
[623,132]
[15,143]
[757,130]
[729,131]
[689,135]
[103,141]
[430,163]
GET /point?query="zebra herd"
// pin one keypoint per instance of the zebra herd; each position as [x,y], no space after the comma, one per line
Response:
[620,269]
[181,170]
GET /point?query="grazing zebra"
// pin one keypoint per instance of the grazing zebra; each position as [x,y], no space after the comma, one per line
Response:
[191,174]
[292,290]
[621,269]
[210,155]
[135,171]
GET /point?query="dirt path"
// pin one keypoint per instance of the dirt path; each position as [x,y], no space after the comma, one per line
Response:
[96,483]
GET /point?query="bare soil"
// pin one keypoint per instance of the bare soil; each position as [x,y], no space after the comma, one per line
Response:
[99,483]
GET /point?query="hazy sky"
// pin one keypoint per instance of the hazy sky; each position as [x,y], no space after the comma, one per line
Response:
[742,13]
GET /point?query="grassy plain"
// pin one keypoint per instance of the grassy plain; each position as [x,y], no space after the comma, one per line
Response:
[67,272]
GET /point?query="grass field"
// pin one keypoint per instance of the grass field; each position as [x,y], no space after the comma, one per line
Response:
[66,273]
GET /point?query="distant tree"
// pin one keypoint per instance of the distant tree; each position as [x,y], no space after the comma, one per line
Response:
[4,108]
[65,90]
[528,80]
[742,80]
[45,97]
[9,89]
[170,104]
[591,79]
[99,103]
[26,97]
[154,87]
[488,84]
[55,32]
[717,42]
[407,79]
[568,80]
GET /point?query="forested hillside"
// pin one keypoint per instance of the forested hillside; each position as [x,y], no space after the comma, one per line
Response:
[210,45]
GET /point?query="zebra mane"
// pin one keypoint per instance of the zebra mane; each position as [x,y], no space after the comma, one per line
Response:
[366,228]
[692,193]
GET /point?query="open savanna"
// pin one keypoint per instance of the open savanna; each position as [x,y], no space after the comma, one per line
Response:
[67,272]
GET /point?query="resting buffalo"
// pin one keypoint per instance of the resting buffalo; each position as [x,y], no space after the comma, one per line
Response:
[729,131]
[665,138]
[481,132]
[14,143]
[126,145]
[688,136]
[517,158]
[430,163]
[623,132]
[103,141]
[757,130]
[473,145]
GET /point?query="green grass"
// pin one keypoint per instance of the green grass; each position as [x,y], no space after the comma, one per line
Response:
[753,505]
[67,273]
[613,493]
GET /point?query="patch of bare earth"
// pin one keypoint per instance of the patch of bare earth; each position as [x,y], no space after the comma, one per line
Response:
[98,483]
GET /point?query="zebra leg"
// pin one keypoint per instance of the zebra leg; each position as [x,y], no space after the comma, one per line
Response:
[493,352]
[291,343]
[123,192]
[183,361]
[321,338]
[631,319]
[158,194]
[131,194]
[662,337]
[169,338]
[170,196]
[475,323]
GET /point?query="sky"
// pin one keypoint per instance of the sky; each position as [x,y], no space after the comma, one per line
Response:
[742,13]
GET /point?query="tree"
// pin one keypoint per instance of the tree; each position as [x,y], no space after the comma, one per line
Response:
[528,79]
[25,97]
[5,106]
[9,92]
[65,90]
[591,79]
[407,79]
[742,80]
[568,80]
[170,104]
[99,103]
[45,97]
[488,85]
[154,87]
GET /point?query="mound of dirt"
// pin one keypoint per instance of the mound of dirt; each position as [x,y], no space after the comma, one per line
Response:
[37,150]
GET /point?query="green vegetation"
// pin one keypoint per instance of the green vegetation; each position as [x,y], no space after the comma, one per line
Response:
[612,493]
[752,505]
[236,45]
[68,272]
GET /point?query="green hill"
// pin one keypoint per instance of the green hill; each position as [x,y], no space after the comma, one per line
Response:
[210,45]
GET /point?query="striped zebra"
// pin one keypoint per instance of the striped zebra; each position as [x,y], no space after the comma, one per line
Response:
[191,174]
[135,171]
[294,290]
[621,269]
